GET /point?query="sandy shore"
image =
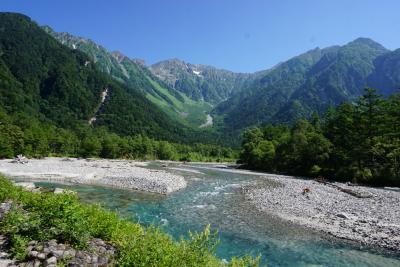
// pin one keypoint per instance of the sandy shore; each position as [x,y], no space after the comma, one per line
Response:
[115,173]
[372,217]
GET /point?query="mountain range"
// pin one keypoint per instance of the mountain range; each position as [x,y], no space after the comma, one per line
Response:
[184,91]
[312,82]
[62,78]
[200,82]
[283,94]
[44,80]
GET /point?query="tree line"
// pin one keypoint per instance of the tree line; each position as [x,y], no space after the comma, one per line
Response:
[358,142]
[22,134]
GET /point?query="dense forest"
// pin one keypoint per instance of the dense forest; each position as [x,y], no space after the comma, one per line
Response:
[358,142]
[22,134]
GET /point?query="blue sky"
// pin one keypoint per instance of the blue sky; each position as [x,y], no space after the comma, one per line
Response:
[239,35]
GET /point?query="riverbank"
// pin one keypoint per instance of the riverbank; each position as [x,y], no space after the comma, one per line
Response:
[125,174]
[368,216]
[40,228]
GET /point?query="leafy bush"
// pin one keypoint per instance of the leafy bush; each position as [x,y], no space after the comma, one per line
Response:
[62,217]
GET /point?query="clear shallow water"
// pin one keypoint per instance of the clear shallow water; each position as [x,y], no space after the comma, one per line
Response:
[213,197]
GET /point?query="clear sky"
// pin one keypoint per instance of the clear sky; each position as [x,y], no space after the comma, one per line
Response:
[239,35]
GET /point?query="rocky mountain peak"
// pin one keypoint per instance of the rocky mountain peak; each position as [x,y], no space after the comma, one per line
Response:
[139,61]
[118,55]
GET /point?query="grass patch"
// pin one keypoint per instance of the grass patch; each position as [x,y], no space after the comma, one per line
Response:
[161,90]
[196,110]
[62,217]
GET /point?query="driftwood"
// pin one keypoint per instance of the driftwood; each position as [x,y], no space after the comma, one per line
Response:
[20,159]
[344,190]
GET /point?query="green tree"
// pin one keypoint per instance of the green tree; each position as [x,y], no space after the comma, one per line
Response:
[110,146]
[165,151]
[6,146]
[91,147]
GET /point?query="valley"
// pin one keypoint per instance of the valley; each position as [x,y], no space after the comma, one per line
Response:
[295,165]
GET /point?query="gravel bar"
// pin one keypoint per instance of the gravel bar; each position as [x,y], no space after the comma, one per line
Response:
[369,216]
[123,174]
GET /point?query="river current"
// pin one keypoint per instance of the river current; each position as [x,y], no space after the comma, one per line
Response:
[213,196]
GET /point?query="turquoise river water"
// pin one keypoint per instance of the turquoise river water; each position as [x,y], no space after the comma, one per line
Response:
[213,196]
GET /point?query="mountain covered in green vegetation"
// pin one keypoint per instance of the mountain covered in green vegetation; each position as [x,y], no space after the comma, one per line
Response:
[290,91]
[386,76]
[54,100]
[45,80]
[312,82]
[136,76]
[199,82]
[75,81]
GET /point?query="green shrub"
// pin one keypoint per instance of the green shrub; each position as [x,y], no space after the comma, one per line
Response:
[62,217]
[19,247]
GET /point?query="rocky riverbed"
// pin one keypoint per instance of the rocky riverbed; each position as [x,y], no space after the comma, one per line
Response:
[369,216]
[123,174]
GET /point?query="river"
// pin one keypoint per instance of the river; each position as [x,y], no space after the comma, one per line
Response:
[213,196]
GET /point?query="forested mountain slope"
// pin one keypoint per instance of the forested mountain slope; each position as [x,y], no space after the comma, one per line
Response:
[283,94]
[312,82]
[269,91]
[387,73]
[50,82]
[136,76]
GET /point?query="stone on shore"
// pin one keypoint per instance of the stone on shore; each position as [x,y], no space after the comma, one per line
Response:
[26,185]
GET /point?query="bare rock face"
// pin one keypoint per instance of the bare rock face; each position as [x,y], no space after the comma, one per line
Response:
[118,56]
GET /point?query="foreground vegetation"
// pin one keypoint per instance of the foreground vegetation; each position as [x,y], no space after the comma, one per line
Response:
[357,142]
[45,216]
